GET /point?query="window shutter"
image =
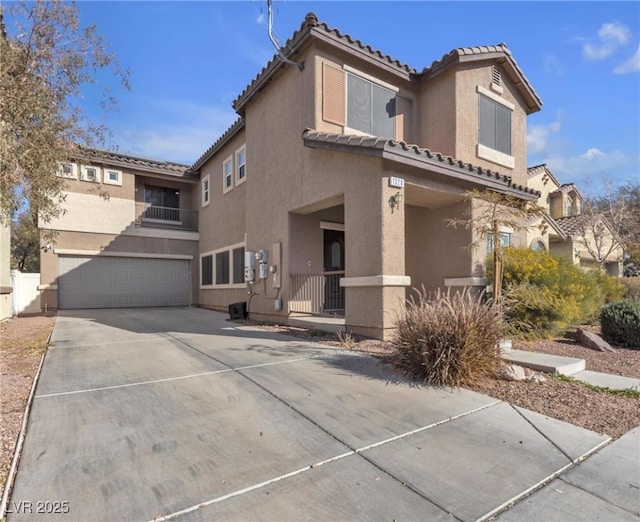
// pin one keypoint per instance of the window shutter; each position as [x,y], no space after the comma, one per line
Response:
[404,107]
[333,94]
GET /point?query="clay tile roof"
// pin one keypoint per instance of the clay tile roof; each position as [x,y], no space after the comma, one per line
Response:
[573,225]
[499,51]
[311,26]
[136,162]
[395,150]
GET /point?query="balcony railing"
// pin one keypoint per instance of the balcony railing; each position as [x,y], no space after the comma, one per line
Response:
[317,294]
[166,217]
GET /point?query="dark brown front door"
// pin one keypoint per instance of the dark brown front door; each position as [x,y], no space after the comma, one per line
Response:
[333,271]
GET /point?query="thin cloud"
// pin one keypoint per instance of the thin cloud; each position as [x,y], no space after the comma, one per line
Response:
[538,136]
[192,130]
[593,163]
[261,19]
[631,65]
[552,64]
[611,37]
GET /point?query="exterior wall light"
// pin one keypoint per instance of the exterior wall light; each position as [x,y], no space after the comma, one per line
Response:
[395,200]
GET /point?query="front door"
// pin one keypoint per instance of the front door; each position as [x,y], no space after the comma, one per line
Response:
[333,271]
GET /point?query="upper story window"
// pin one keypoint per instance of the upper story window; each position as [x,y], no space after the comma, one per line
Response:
[363,104]
[113,177]
[205,191]
[162,196]
[494,125]
[90,174]
[68,170]
[371,107]
[241,164]
[227,174]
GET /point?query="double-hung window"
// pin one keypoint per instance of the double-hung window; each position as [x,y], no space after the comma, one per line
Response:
[227,174]
[205,191]
[241,164]
[371,107]
[505,241]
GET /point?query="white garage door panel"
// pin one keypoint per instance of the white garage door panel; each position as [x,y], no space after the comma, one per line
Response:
[114,282]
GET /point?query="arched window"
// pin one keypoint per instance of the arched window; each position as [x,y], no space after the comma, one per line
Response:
[538,246]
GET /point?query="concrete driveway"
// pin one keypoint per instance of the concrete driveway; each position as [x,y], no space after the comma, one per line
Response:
[178,414]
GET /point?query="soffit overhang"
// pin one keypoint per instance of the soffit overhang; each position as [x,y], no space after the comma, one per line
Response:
[416,157]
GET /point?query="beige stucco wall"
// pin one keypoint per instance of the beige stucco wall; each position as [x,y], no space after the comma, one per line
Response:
[467,79]
[436,114]
[435,251]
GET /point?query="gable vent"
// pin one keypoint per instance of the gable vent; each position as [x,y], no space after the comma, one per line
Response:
[497,76]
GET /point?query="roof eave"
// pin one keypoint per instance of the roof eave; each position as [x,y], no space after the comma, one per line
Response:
[413,156]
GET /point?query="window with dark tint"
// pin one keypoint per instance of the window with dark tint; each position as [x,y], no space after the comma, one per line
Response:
[494,125]
[222,268]
[206,270]
[238,265]
[370,107]
[162,196]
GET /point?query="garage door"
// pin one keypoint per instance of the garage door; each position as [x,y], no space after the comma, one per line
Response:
[114,282]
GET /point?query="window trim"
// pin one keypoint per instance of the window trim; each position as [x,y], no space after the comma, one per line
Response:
[242,179]
[84,176]
[227,161]
[213,253]
[206,193]
[489,153]
[108,181]
[74,171]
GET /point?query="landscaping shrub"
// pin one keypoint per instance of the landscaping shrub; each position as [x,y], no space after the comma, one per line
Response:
[620,323]
[573,295]
[448,340]
[631,287]
[533,311]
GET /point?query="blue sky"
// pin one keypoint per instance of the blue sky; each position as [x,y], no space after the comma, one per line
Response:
[191,59]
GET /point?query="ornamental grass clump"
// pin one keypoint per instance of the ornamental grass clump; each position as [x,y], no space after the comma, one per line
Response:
[449,340]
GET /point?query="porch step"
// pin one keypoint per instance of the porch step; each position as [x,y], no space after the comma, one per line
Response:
[326,324]
[543,362]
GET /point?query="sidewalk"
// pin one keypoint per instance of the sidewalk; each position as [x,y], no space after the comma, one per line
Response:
[605,486]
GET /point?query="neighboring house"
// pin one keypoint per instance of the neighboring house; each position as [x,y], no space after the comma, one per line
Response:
[582,237]
[340,175]
[128,235]
[6,309]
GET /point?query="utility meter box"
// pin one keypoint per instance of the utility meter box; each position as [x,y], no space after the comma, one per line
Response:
[249,267]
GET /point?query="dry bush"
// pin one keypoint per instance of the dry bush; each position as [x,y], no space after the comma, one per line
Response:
[450,340]
[632,287]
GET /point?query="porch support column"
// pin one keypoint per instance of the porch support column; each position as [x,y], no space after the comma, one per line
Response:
[375,281]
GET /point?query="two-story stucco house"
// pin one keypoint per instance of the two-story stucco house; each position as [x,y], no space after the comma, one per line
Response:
[341,172]
[582,237]
[128,235]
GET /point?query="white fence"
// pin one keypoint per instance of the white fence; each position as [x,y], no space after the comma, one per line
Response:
[26,296]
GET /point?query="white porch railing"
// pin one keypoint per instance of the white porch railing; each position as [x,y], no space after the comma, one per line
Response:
[317,294]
